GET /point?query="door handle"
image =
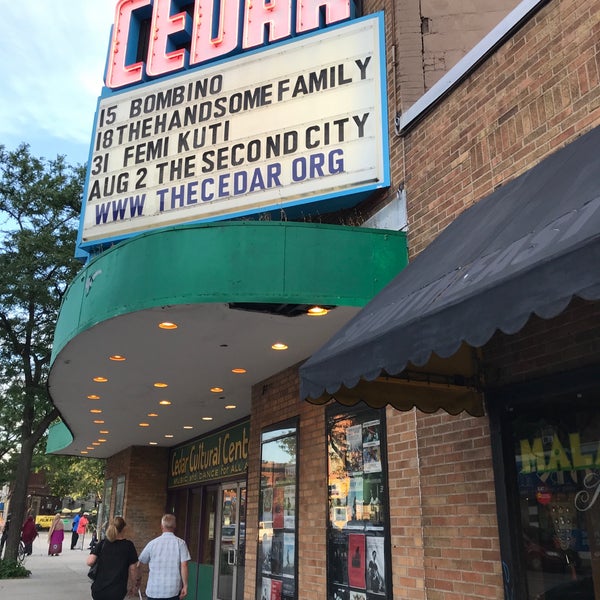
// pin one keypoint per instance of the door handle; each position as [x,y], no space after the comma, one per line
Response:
[232,557]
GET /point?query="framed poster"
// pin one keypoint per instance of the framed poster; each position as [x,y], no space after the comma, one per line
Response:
[358,555]
[277,572]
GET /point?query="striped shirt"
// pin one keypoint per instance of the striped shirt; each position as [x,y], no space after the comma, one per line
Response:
[164,556]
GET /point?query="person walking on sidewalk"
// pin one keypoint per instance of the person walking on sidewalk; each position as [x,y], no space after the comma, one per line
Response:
[167,557]
[28,534]
[117,564]
[56,535]
[74,534]
[82,526]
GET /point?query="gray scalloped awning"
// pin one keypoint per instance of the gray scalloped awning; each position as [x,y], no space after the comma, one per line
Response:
[529,247]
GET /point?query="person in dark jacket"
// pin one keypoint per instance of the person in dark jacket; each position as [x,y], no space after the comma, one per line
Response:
[117,564]
[28,534]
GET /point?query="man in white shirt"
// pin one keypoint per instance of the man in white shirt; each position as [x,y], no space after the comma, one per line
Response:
[167,557]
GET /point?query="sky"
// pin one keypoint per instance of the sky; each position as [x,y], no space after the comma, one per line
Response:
[51,73]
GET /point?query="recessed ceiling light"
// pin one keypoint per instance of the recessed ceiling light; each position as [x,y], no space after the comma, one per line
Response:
[188,427]
[316,311]
[95,443]
[100,379]
[93,397]
[104,431]
[216,390]
[230,407]
[144,424]
[168,325]
[83,452]
[90,447]
[99,421]
[160,384]
[96,411]
[279,346]
[102,440]
[207,418]
[153,414]
[153,443]
[237,371]
[117,358]
[165,402]
[169,435]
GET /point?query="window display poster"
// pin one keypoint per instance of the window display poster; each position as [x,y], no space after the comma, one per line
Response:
[340,593]
[355,454]
[288,553]
[275,589]
[265,593]
[357,595]
[267,504]
[356,560]
[339,557]
[265,552]
[371,433]
[375,565]
[356,498]
[372,459]
[373,504]
[289,507]
[278,500]
[277,554]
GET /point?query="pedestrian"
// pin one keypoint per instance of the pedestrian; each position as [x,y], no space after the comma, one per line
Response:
[117,564]
[167,557]
[28,534]
[4,533]
[74,534]
[82,526]
[56,535]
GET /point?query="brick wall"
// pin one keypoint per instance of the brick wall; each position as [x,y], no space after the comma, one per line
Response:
[275,400]
[442,507]
[145,471]
[542,347]
[537,93]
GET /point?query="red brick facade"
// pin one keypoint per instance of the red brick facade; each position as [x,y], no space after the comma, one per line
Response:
[537,92]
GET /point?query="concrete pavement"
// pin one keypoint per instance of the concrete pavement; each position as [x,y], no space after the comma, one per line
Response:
[52,577]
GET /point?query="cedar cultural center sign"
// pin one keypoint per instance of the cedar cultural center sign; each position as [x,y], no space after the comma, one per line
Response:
[290,124]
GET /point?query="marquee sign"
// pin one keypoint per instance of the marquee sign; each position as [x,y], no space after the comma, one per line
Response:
[295,123]
[211,28]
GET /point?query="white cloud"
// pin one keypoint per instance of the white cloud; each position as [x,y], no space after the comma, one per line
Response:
[54,54]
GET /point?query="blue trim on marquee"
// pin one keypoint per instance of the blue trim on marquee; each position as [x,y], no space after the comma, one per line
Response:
[332,201]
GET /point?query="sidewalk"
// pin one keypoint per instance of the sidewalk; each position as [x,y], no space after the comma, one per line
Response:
[52,577]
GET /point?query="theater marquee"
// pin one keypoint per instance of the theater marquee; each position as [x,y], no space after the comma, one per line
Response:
[293,124]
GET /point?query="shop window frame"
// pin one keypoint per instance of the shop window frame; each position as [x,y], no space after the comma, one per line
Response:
[375,529]
[287,531]
[576,386]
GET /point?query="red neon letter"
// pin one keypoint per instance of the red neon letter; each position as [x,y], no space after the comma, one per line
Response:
[277,13]
[308,13]
[205,47]
[118,73]
[163,25]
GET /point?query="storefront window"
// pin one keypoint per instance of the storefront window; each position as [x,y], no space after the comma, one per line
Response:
[277,573]
[119,496]
[557,460]
[357,557]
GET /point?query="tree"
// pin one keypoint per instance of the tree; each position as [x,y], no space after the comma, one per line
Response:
[72,476]
[40,201]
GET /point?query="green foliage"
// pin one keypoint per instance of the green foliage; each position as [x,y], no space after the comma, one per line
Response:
[40,202]
[72,476]
[13,569]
